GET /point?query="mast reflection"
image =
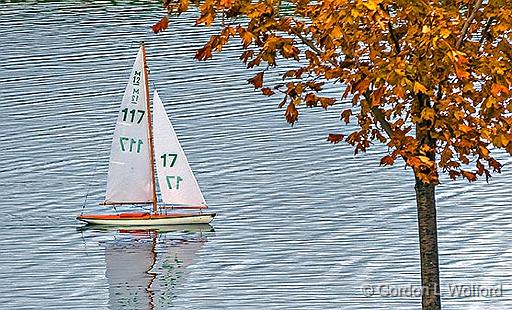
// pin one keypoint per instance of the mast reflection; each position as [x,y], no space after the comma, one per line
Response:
[144,267]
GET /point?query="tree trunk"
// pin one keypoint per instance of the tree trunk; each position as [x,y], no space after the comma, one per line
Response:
[427,226]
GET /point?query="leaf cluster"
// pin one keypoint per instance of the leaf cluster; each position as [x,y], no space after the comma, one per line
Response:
[430,79]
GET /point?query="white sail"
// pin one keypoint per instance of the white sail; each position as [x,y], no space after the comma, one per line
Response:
[178,186]
[129,173]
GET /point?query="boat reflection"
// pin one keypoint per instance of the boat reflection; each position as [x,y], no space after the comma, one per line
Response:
[144,267]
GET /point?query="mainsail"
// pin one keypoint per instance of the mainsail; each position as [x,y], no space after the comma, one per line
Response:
[130,166]
[178,186]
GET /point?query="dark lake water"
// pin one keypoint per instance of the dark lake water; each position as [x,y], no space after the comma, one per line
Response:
[301,224]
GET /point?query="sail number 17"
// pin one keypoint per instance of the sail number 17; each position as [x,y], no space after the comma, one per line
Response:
[173,180]
[168,160]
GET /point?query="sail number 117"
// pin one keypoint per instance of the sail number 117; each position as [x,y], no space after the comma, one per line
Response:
[129,115]
[130,144]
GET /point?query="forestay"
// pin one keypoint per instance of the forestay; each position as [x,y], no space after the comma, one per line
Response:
[129,174]
[178,185]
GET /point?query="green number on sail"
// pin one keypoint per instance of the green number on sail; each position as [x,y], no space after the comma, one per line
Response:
[132,142]
[125,112]
[136,89]
[121,142]
[171,179]
[172,161]
[134,146]
[135,95]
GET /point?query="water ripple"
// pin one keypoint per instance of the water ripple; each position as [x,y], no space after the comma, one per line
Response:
[302,224]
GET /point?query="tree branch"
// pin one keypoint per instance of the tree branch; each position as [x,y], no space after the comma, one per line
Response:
[308,43]
[377,113]
[392,33]
[468,22]
[394,38]
[486,30]
[379,116]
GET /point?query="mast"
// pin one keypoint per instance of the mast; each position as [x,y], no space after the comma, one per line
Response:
[150,129]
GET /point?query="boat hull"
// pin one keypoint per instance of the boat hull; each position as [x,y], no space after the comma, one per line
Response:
[147,219]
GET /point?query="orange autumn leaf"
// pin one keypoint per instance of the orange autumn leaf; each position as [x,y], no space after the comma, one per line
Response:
[226,3]
[345,115]
[311,100]
[183,5]
[267,91]
[335,138]
[414,162]
[460,72]
[399,91]
[372,4]
[387,161]
[465,128]
[347,91]
[326,102]
[404,71]
[498,89]
[446,155]
[418,87]
[377,96]
[362,86]
[445,33]
[470,176]
[257,80]
[290,51]
[418,161]
[428,114]
[204,53]
[161,25]
[291,114]
[425,160]
[206,19]
[484,151]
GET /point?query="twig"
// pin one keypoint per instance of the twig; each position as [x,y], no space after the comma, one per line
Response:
[308,43]
[379,116]
[377,113]
[468,22]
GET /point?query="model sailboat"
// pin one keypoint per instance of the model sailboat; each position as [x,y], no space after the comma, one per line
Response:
[137,147]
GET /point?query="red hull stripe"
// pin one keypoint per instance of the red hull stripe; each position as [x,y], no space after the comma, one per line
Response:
[133,216]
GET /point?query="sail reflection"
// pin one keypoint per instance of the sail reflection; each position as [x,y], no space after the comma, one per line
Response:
[145,267]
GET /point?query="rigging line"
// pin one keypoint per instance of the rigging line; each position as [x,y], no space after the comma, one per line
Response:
[89,186]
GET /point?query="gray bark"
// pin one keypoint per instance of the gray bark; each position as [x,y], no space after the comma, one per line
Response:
[427,226]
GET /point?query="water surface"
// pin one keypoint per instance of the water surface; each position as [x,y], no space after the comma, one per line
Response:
[301,224]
